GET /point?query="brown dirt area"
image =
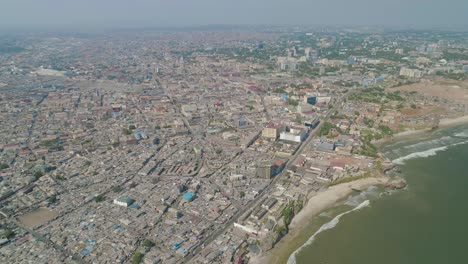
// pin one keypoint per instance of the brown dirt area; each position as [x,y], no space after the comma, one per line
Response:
[37,217]
[443,88]
[423,111]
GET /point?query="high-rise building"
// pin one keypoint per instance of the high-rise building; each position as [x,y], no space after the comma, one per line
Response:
[399,51]
[265,170]
[287,64]
[412,73]
[308,53]
[271,130]
[293,134]
[312,100]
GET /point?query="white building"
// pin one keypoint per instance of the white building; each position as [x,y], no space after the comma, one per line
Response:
[124,201]
[287,64]
[293,134]
[323,99]
[412,73]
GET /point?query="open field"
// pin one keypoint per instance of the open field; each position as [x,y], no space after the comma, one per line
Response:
[37,217]
[442,88]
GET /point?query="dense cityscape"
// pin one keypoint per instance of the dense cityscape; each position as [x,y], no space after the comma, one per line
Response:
[204,146]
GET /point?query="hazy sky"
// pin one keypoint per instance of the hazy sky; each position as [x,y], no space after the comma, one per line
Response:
[154,13]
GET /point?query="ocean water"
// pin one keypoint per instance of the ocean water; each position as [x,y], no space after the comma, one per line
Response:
[423,223]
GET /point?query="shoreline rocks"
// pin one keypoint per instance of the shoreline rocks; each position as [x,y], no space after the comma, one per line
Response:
[396,184]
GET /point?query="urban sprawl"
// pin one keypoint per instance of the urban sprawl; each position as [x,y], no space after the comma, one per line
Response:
[175,147]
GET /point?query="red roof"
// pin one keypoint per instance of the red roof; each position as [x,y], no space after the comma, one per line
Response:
[278,163]
[337,164]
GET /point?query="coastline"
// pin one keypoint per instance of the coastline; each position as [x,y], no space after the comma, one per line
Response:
[450,122]
[328,198]
[315,205]
[422,133]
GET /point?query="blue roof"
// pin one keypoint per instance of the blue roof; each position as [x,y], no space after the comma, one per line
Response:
[188,195]
[86,251]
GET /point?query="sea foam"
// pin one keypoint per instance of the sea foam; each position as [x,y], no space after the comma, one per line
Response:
[324,227]
[420,154]
[368,194]
[462,134]
[425,153]
[431,143]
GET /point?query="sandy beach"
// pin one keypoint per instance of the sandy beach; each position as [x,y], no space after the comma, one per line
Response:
[419,134]
[329,197]
[405,135]
[314,206]
[449,122]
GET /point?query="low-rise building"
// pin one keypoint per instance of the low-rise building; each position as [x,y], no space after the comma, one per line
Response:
[124,201]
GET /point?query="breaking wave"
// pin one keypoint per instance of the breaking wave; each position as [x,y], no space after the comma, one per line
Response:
[425,153]
[324,227]
[420,154]
[326,214]
[370,193]
[431,143]
[462,134]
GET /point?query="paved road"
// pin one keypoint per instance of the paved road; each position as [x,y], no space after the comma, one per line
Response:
[265,108]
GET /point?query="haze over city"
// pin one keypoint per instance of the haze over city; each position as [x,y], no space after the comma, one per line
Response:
[90,14]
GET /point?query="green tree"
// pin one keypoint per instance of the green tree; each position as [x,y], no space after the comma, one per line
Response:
[137,257]
[117,189]
[99,198]
[147,243]
[8,234]
[52,199]
[325,129]
[38,174]
[4,166]
[50,168]
[292,102]
[386,130]
[368,122]
[288,213]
